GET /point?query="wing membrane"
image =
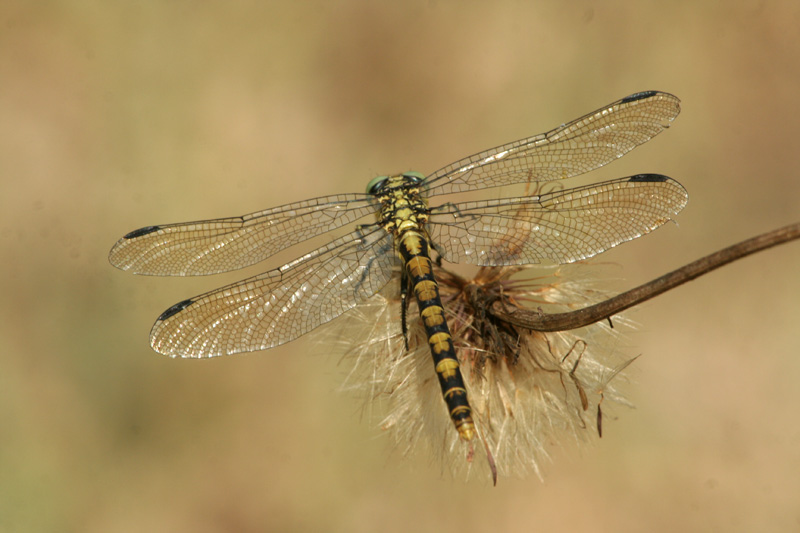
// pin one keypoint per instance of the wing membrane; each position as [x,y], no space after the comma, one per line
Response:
[582,145]
[561,226]
[280,305]
[213,246]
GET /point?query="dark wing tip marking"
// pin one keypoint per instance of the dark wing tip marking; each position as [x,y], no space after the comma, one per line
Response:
[649,178]
[638,96]
[135,234]
[175,309]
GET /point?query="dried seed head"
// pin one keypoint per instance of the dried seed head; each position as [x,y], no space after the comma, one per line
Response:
[529,390]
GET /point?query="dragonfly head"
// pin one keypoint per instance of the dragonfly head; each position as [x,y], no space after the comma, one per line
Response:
[406,178]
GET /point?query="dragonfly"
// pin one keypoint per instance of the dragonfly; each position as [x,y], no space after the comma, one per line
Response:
[560,226]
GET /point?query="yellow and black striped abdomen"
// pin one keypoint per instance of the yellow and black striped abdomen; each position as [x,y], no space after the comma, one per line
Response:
[413,248]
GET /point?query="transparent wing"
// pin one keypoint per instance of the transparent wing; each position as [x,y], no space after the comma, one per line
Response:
[213,246]
[561,226]
[582,145]
[280,305]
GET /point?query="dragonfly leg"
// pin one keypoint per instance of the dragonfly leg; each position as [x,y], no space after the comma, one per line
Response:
[404,301]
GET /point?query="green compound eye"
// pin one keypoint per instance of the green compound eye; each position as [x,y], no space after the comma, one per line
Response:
[375,184]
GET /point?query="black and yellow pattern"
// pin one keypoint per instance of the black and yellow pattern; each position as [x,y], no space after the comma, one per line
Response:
[403,213]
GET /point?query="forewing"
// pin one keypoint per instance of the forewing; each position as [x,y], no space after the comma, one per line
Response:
[280,305]
[582,145]
[212,246]
[561,226]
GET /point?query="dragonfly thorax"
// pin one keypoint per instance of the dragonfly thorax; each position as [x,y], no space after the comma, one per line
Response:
[402,205]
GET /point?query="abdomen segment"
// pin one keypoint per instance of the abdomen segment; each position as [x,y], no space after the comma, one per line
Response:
[413,248]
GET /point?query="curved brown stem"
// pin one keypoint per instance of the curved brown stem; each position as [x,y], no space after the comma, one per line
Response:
[540,321]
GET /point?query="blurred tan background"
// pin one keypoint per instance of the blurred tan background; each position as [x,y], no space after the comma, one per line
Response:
[117,115]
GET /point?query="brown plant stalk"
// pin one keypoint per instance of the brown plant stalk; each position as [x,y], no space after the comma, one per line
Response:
[540,321]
